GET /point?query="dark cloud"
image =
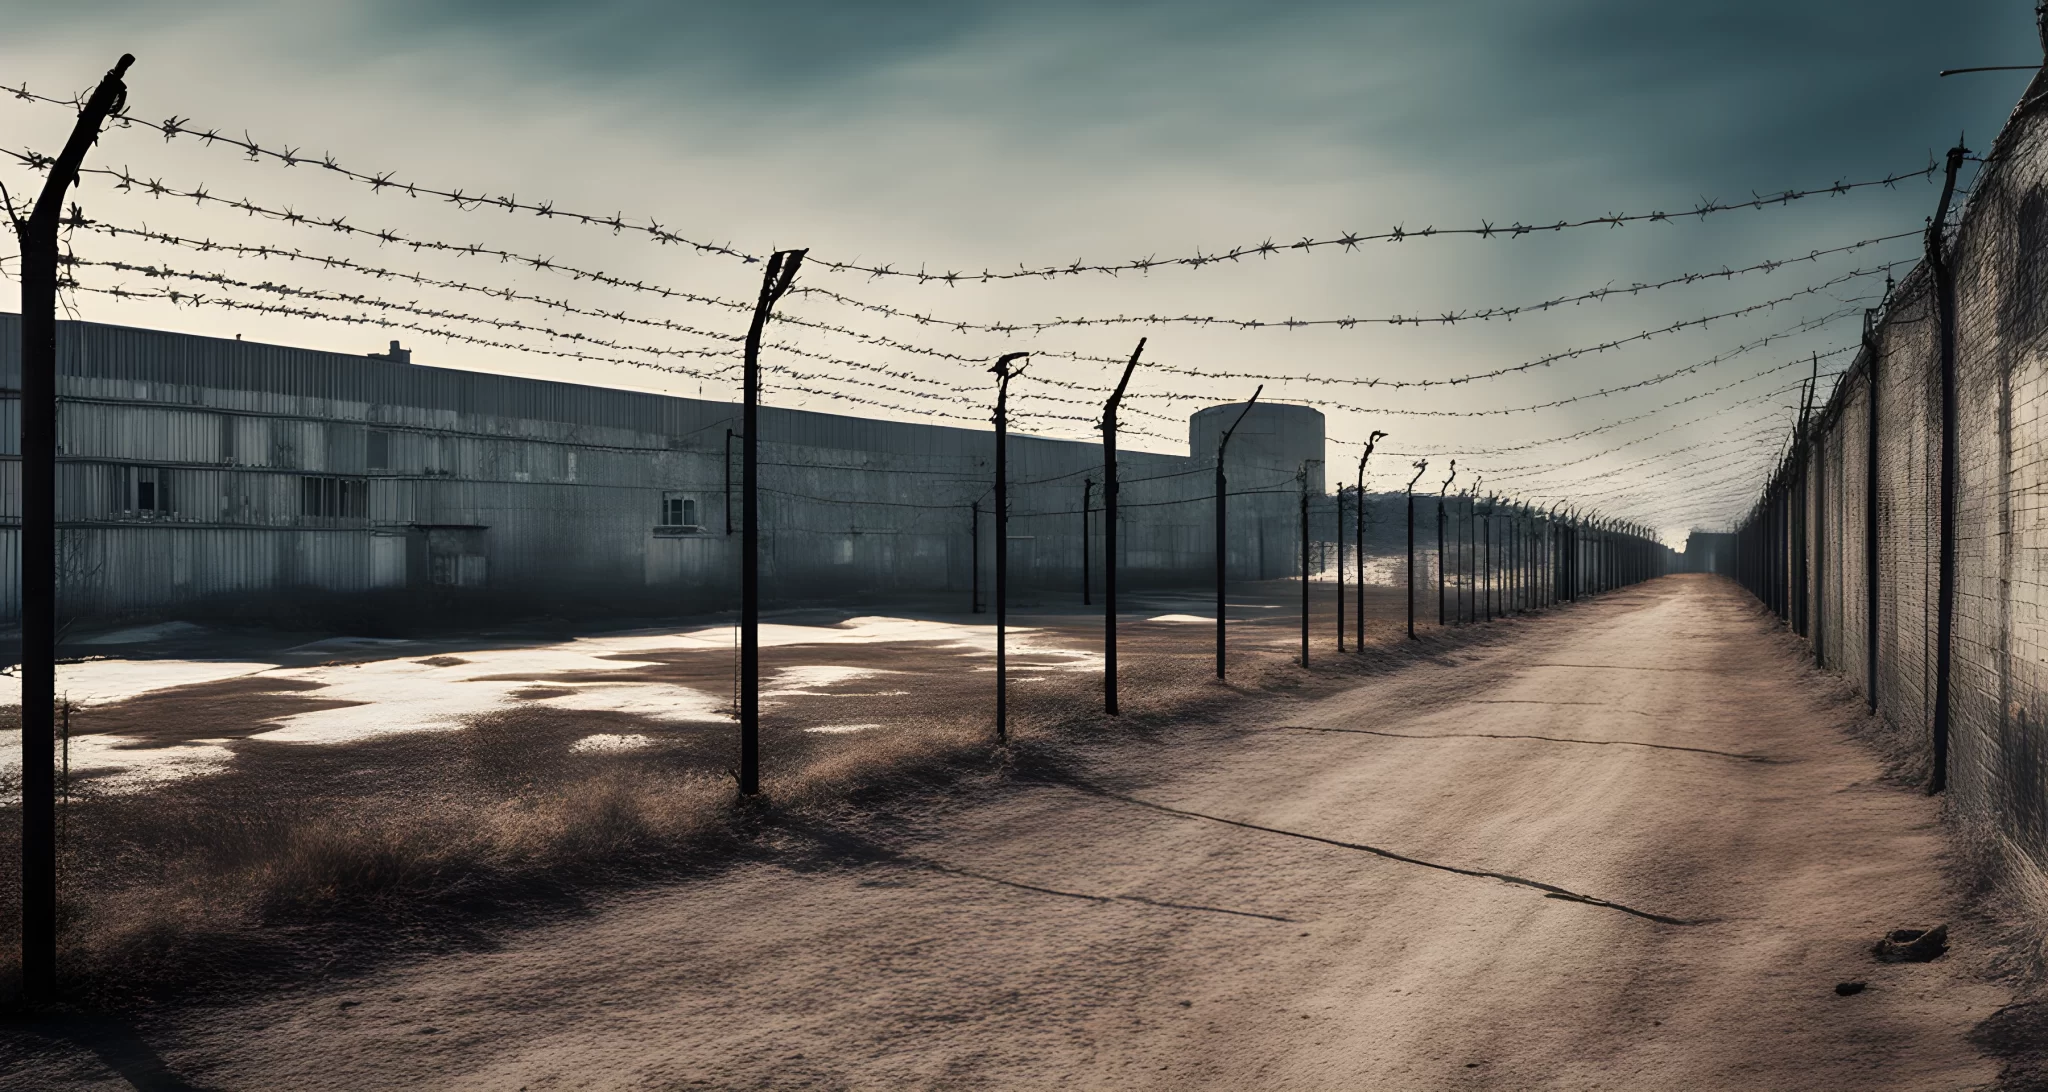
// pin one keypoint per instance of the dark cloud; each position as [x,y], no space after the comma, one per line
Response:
[969,134]
[1796,83]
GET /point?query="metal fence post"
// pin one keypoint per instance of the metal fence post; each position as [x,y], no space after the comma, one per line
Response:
[1222,537]
[775,281]
[37,236]
[1441,492]
[1002,423]
[1369,442]
[1110,488]
[1408,577]
[1945,307]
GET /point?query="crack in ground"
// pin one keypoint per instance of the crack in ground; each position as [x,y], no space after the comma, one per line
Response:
[1547,739]
[1551,891]
[1627,667]
[843,846]
[1543,701]
[1084,896]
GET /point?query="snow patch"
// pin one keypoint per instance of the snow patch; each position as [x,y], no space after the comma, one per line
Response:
[604,743]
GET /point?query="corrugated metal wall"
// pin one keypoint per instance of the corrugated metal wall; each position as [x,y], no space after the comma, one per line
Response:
[551,492]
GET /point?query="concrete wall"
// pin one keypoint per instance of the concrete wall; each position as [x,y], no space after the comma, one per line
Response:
[199,473]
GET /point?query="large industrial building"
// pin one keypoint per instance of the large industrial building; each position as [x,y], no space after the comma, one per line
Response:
[204,476]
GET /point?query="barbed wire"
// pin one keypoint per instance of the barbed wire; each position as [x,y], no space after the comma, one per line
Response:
[327,261]
[800,387]
[356,299]
[1597,429]
[1730,485]
[1703,470]
[1505,313]
[173,127]
[337,223]
[1540,362]
[379,182]
[1525,474]
[444,314]
[1830,353]
[1351,240]
[952,396]
[266,252]
[198,299]
[1806,326]
[1638,490]
[292,254]
[1536,471]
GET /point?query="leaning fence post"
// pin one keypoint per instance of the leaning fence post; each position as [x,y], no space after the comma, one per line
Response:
[1222,539]
[1110,489]
[1002,422]
[1408,577]
[1369,442]
[37,236]
[775,281]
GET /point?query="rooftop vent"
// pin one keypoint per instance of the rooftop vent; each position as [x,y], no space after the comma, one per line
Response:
[397,353]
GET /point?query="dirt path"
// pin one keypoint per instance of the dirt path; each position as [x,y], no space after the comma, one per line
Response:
[1627,848]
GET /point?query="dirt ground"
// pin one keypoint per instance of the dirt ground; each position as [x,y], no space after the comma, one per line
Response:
[1622,845]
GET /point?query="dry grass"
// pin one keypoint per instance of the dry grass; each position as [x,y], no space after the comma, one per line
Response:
[303,861]
[229,894]
[2004,883]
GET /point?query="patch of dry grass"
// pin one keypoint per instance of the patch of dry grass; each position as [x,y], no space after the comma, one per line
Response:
[2004,883]
[299,861]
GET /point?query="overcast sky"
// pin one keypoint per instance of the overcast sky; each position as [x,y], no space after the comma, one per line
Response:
[970,136]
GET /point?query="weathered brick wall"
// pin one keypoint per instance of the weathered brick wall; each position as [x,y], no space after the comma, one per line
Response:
[1998,687]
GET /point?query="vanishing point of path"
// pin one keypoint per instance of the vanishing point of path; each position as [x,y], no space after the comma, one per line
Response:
[1625,846]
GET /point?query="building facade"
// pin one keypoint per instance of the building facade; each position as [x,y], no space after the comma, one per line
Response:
[199,476]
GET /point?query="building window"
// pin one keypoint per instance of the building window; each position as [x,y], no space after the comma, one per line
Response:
[378,456]
[149,490]
[678,510]
[333,498]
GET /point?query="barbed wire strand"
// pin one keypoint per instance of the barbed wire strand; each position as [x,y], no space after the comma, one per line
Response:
[379,182]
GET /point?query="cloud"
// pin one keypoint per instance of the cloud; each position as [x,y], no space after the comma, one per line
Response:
[971,135]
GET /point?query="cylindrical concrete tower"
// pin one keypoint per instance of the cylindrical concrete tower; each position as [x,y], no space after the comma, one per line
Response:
[1275,442]
[1275,439]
